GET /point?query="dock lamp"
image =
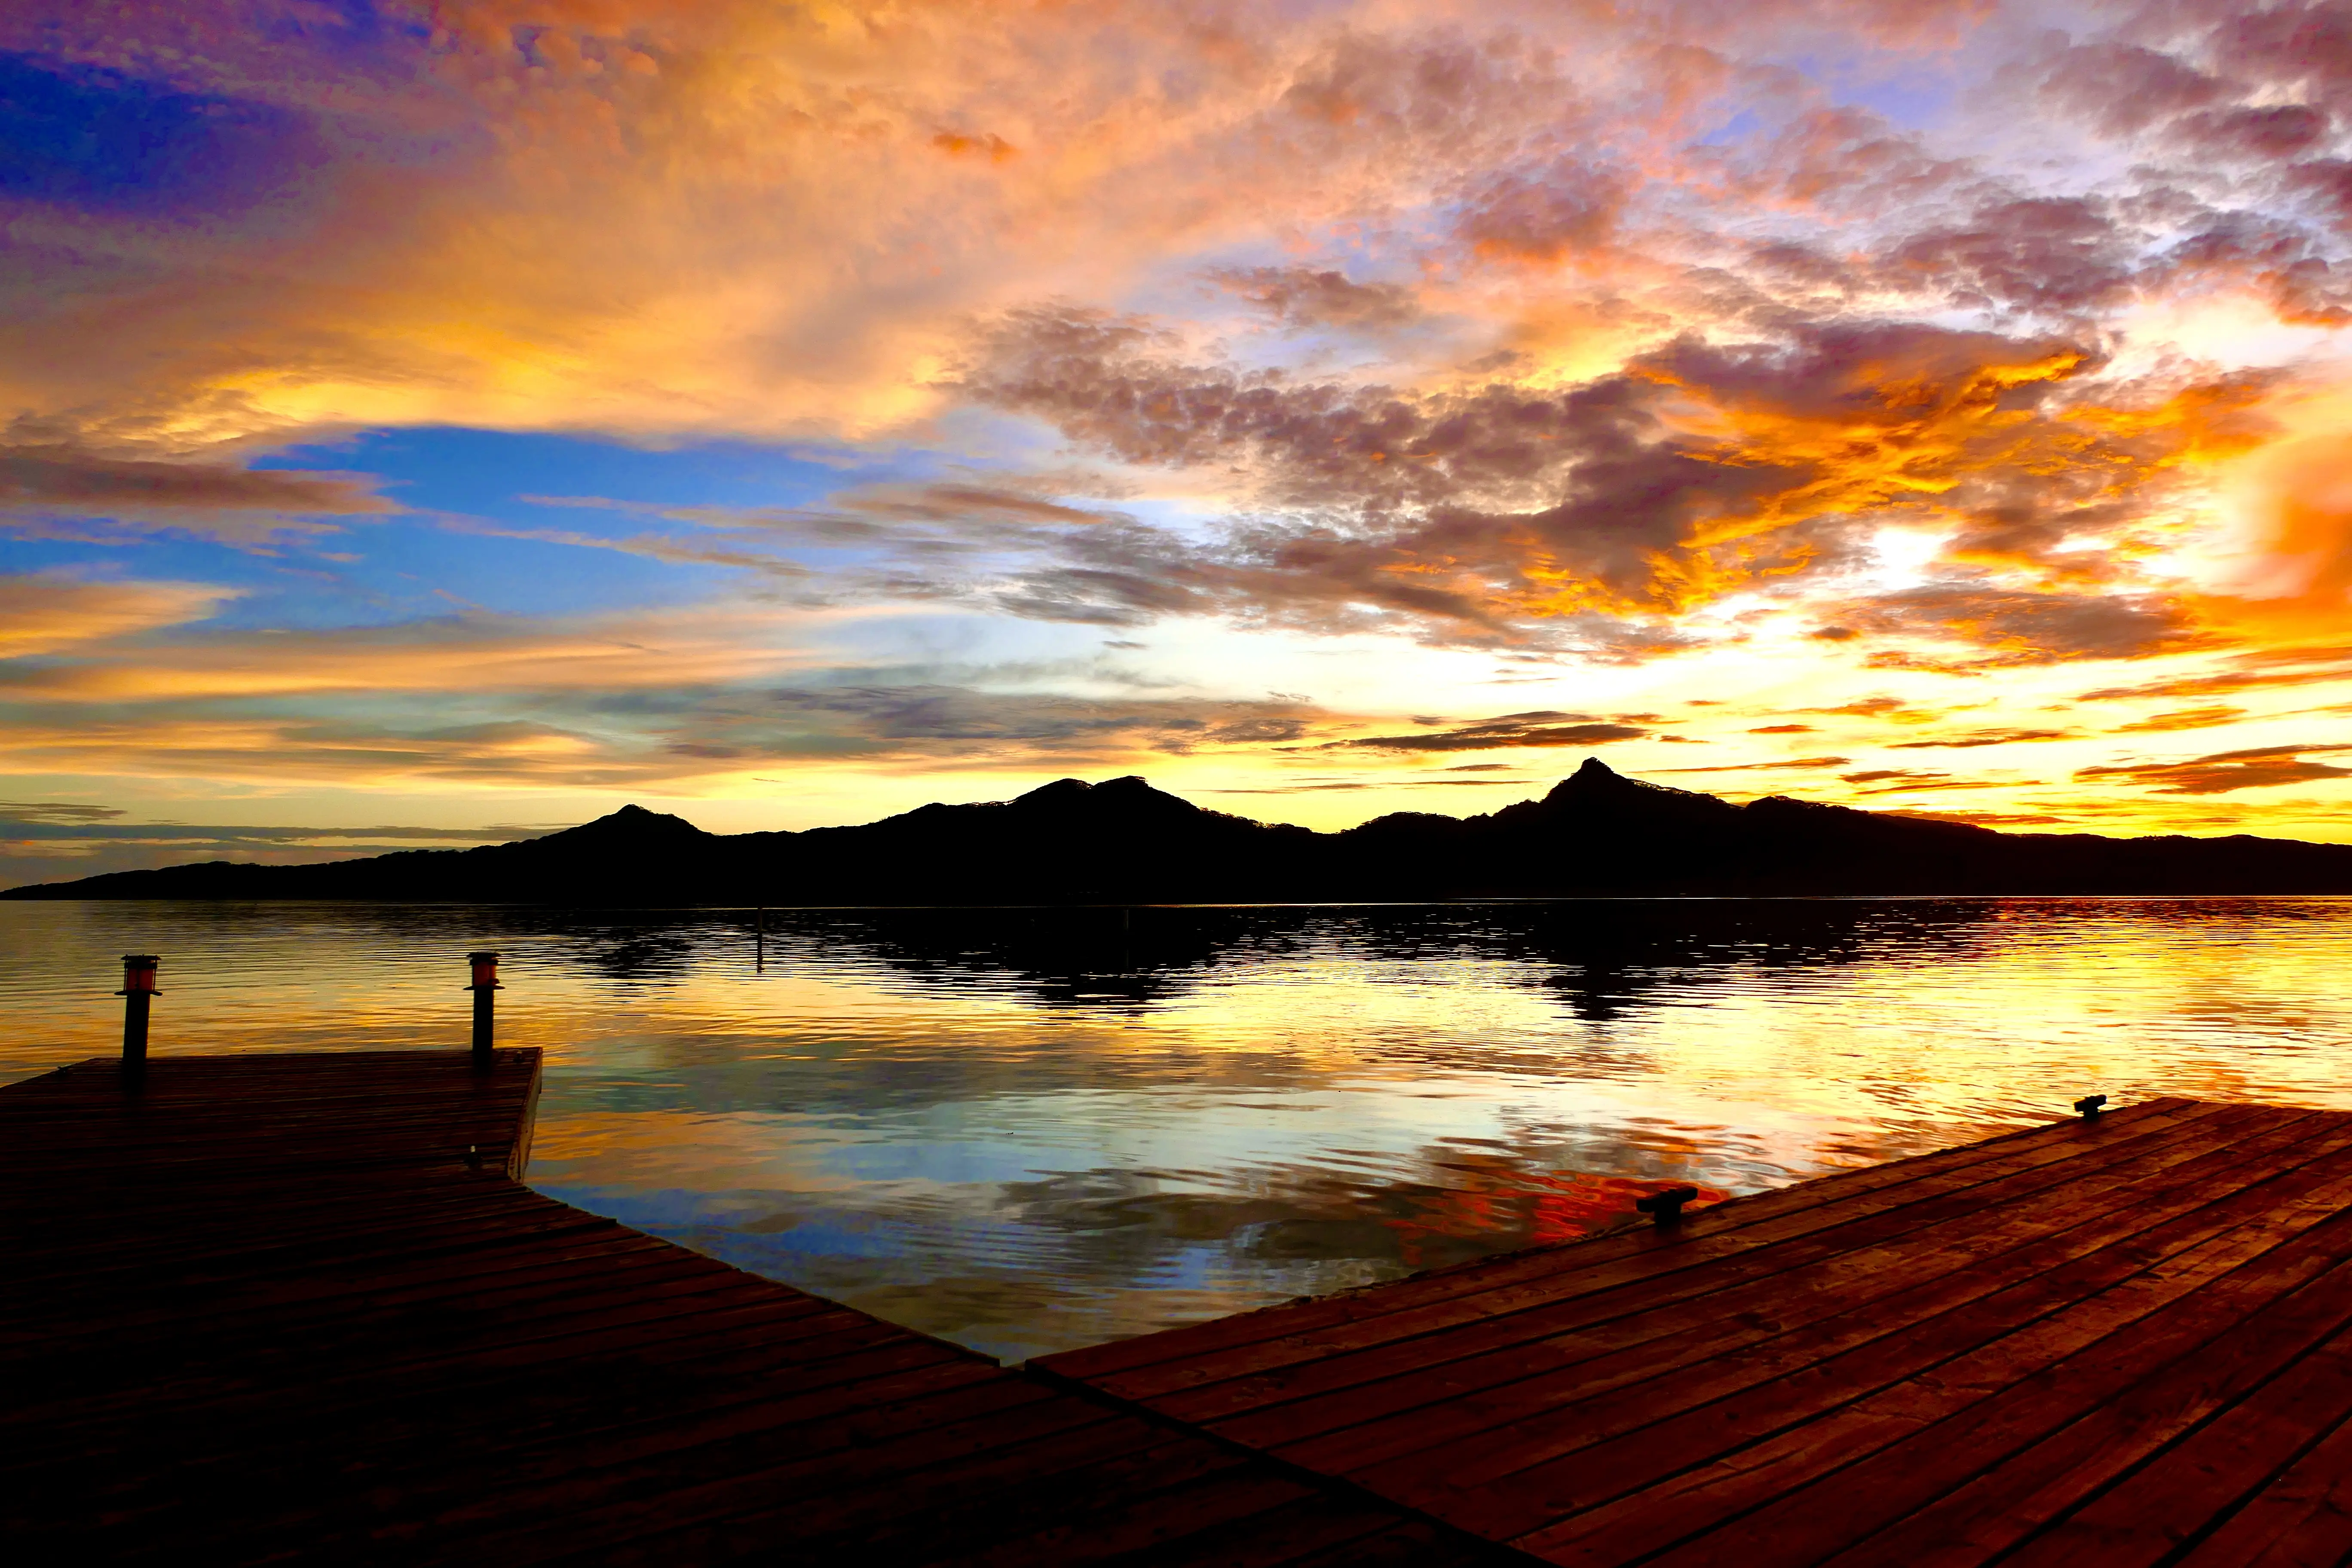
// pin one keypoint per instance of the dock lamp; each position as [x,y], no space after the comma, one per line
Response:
[485,986]
[138,991]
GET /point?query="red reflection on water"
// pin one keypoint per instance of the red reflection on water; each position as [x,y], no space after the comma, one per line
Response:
[1531,1206]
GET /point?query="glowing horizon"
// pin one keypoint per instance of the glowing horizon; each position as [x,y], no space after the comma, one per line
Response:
[486,411]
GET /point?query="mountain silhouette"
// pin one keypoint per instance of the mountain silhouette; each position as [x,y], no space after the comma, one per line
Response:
[1596,832]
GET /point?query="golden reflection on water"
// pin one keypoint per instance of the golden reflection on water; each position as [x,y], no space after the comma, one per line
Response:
[1031,1130]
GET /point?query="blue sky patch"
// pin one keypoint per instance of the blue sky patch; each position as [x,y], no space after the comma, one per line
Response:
[101,138]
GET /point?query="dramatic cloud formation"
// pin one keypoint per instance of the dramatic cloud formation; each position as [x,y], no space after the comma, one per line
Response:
[1692,473]
[778,406]
[1540,729]
[2252,768]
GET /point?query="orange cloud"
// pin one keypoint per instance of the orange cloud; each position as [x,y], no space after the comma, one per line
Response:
[2250,767]
[1978,738]
[42,614]
[280,751]
[1799,765]
[1539,729]
[466,653]
[63,478]
[2291,665]
[2183,718]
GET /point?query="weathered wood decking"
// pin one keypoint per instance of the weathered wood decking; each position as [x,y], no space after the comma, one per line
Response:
[295,1308]
[2120,1342]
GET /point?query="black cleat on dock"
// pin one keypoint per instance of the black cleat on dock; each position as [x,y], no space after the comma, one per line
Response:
[1665,1208]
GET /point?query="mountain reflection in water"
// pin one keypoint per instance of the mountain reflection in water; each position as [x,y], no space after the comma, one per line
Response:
[1032,1129]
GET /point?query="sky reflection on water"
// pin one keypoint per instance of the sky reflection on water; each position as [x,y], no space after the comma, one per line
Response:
[1028,1130]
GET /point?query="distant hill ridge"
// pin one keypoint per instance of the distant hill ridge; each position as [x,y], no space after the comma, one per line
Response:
[1597,832]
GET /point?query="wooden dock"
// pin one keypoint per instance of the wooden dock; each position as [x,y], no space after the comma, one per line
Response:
[298,1308]
[2127,1342]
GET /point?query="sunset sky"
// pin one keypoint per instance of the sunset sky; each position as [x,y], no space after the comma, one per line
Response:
[430,422]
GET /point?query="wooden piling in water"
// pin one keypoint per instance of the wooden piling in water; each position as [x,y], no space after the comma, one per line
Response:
[485,987]
[138,994]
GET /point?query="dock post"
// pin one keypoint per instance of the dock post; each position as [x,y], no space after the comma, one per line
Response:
[484,986]
[138,991]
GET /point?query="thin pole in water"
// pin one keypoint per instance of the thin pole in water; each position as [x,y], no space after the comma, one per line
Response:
[138,991]
[485,986]
[759,943]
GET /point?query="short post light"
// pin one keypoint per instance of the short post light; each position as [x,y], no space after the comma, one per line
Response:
[138,991]
[484,986]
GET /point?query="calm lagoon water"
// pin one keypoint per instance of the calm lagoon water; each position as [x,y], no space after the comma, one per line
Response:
[1031,1130]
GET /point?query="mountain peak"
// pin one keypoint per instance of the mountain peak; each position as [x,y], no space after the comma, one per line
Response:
[632,824]
[1119,797]
[1059,791]
[1595,786]
[1593,777]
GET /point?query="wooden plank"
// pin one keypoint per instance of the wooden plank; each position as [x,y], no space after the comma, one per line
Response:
[1124,1465]
[2301,1519]
[573,1440]
[465,1370]
[560,1451]
[1398,1546]
[843,1489]
[1308,1528]
[268,1306]
[271,1241]
[573,1508]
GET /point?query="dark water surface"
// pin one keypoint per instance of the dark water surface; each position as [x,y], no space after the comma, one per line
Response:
[1031,1130]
